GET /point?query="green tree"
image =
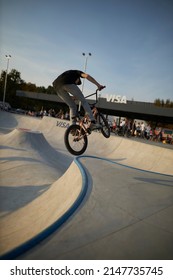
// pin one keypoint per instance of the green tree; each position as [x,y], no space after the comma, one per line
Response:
[13,83]
[157,102]
[50,90]
[162,103]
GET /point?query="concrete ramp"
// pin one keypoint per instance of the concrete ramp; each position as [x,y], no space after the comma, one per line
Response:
[126,214]
[37,186]
[42,213]
[10,121]
[33,142]
[143,155]
[120,203]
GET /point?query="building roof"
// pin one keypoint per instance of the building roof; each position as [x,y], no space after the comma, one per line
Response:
[131,109]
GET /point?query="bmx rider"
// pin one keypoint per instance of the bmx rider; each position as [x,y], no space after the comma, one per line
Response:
[66,84]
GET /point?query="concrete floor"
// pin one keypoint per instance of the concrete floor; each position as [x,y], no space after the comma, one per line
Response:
[114,202]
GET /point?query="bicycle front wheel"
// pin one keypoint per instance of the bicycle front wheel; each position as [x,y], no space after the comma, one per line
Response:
[105,130]
[75,140]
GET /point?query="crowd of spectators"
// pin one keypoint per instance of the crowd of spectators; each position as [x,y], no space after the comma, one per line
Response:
[50,113]
[125,127]
[142,130]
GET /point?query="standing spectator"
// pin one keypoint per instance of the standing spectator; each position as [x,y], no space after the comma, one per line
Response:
[67,116]
[142,127]
[133,128]
[114,125]
[138,129]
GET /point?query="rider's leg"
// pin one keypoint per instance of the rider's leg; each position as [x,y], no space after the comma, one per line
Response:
[76,92]
[64,95]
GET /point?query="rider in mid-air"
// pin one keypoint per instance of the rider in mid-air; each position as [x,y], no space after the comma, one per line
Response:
[67,83]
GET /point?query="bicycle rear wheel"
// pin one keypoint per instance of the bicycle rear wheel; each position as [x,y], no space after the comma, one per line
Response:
[105,130]
[75,140]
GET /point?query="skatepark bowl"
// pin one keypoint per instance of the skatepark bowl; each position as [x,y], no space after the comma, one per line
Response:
[113,202]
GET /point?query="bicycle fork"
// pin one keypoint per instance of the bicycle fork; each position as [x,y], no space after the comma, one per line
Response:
[84,128]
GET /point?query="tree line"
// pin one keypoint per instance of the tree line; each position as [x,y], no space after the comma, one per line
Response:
[14,83]
[162,103]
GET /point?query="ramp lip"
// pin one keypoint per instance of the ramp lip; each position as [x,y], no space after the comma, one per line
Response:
[22,129]
[125,165]
[14,253]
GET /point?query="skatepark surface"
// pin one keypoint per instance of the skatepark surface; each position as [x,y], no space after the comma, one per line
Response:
[113,202]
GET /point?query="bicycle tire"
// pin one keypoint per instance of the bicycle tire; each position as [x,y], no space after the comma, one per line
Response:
[75,140]
[105,130]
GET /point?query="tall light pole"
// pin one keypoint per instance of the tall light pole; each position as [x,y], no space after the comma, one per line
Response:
[85,67]
[5,84]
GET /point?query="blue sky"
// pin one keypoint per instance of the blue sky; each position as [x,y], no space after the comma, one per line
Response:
[131,42]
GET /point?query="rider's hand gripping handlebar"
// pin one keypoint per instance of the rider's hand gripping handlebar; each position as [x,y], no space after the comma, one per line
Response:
[101,87]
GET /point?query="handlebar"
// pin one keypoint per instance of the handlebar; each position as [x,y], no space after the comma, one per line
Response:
[102,87]
[96,92]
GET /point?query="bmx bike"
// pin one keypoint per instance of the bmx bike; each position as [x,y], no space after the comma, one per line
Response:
[76,135]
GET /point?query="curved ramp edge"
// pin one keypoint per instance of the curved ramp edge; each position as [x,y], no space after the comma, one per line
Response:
[27,227]
[124,207]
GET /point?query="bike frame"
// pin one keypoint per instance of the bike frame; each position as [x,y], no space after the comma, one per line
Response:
[81,130]
[81,119]
[92,94]
[96,99]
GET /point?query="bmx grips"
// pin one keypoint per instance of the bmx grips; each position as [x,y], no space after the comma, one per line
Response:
[101,87]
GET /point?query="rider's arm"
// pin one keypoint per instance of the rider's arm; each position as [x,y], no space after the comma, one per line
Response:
[92,80]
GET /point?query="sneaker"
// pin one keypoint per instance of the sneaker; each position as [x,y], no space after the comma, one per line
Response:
[73,120]
[94,125]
